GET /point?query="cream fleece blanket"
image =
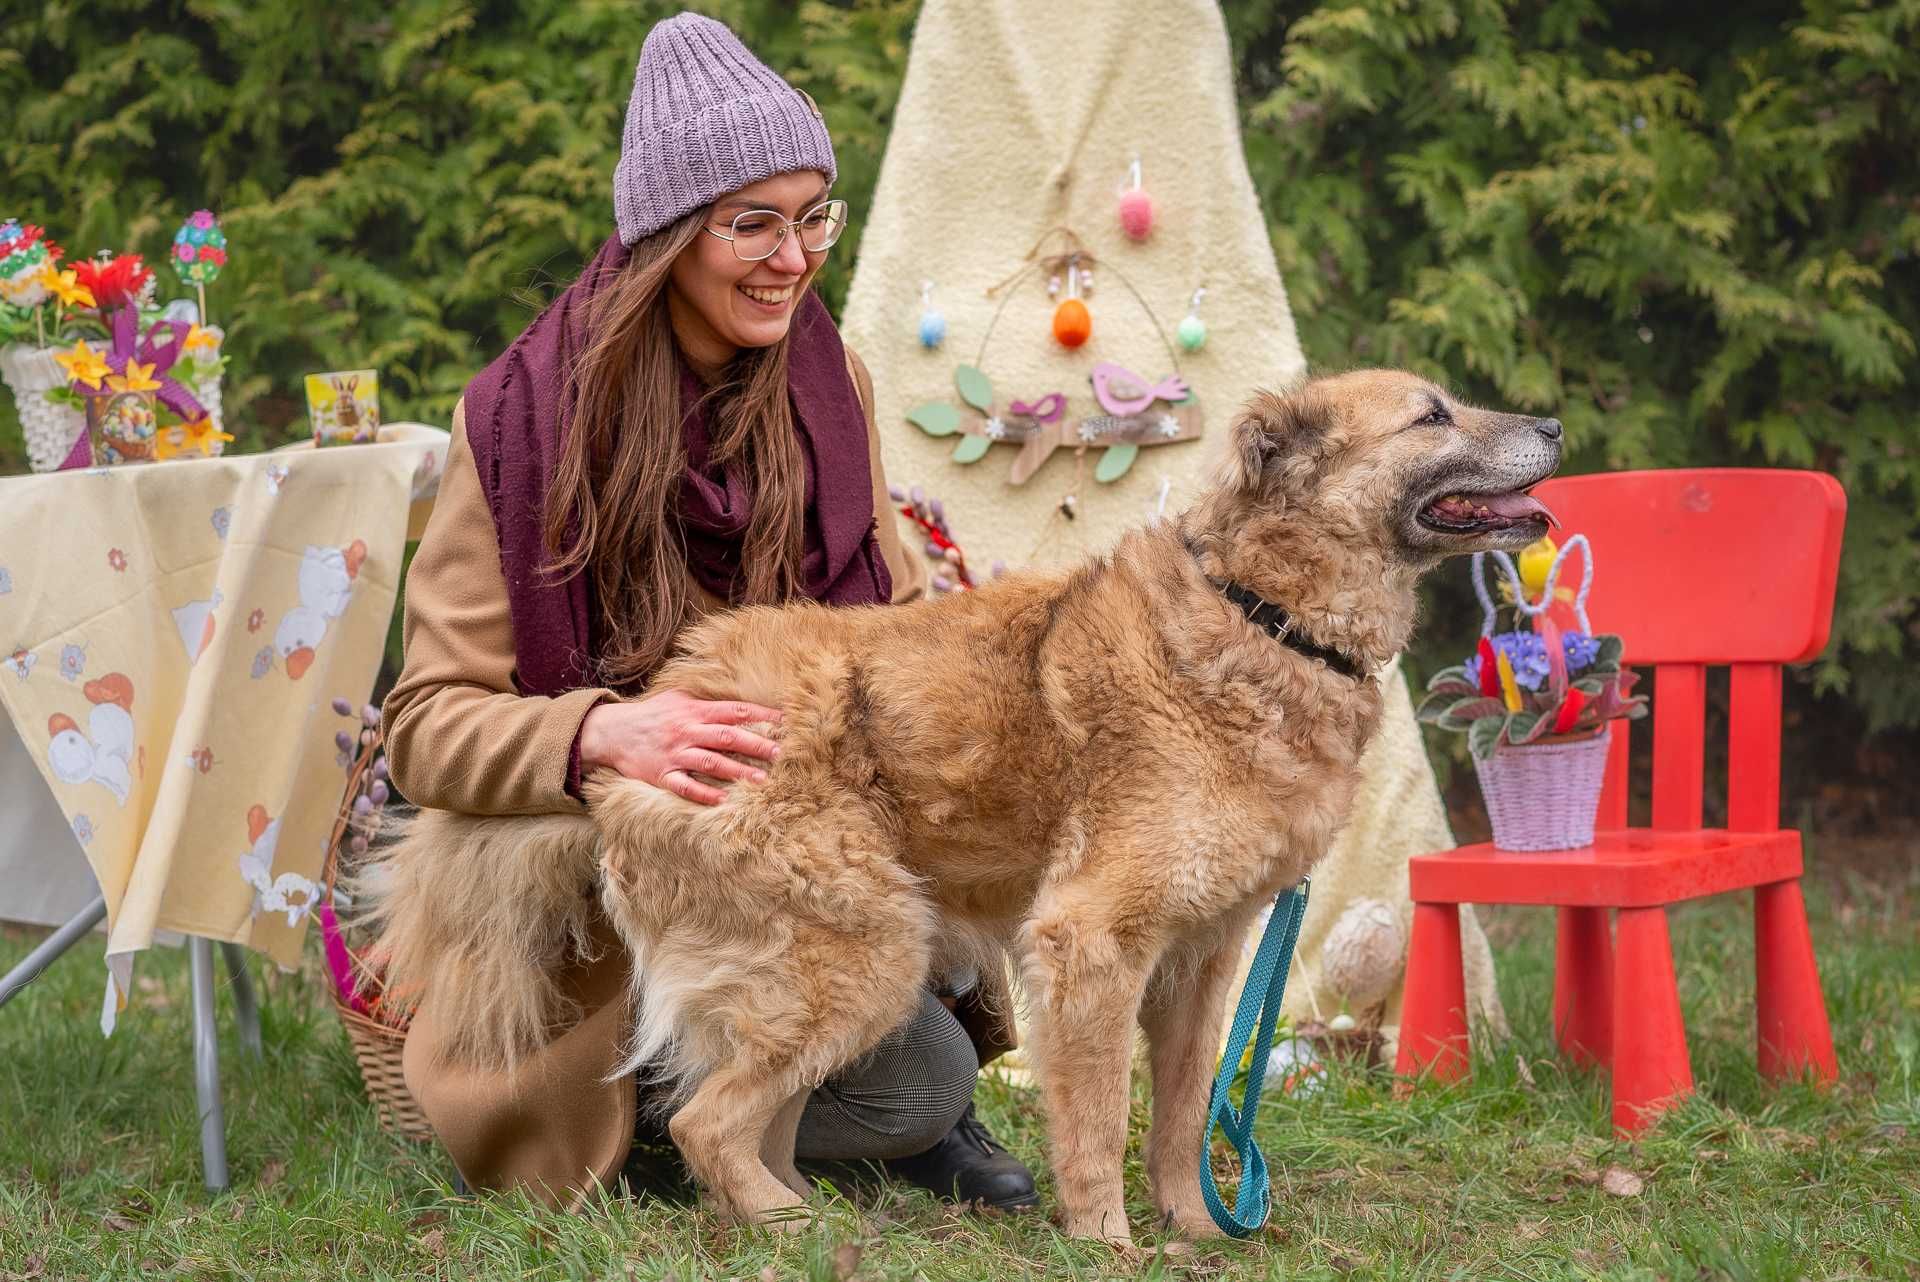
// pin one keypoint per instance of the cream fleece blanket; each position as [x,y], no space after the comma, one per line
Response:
[1017,118]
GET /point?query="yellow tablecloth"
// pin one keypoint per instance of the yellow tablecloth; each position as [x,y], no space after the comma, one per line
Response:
[171,639]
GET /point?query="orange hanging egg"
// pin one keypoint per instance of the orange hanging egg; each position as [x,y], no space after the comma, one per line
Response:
[1072,323]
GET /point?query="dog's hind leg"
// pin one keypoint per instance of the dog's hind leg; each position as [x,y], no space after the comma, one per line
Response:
[776,1147]
[720,1132]
[1181,1015]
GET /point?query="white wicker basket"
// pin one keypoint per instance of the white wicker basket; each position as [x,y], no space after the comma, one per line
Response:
[50,428]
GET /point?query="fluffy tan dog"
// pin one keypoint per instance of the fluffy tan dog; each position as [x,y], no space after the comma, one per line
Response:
[1105,772]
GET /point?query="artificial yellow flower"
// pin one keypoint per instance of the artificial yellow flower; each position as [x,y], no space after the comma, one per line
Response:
[168,443]
[64,286]
[1535,564]
[199,337]
[137,378]
[202,435]
[83,365]
[1509,688]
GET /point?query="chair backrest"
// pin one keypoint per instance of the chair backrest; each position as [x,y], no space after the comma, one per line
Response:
[1708,566]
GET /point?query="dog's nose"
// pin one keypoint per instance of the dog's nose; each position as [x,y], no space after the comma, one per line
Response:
[1549,428]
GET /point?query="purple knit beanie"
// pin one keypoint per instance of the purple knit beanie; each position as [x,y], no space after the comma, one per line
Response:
[706,118]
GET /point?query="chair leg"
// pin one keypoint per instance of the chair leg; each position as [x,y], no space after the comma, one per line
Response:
[1583,986]
[1433,1012]
[1650,1064]
[1794,1037]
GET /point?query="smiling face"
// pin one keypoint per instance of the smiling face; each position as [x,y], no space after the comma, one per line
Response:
[720,304]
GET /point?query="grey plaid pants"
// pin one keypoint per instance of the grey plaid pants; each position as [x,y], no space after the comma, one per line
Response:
[900,1099]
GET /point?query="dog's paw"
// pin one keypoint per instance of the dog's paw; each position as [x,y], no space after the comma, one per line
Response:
[1190,1220]
[1110,1228]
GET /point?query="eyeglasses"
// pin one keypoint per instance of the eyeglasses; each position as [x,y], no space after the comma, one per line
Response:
[758,233]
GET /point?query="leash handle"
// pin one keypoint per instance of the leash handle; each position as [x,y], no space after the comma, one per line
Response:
[1254,1019]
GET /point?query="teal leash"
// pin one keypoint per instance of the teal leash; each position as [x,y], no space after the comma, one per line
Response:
[1259,1005]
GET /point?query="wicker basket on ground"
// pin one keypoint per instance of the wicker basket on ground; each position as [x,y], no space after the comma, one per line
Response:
[377,1029]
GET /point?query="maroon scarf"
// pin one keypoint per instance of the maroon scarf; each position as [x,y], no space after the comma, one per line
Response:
[517,416]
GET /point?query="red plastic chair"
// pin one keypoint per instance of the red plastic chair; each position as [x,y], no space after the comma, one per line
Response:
[1697,567]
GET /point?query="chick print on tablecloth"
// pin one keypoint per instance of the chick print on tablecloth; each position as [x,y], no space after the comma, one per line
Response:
[20,662]
[194,622]
[326,586]
[104,753]
[289,892]
[222,520]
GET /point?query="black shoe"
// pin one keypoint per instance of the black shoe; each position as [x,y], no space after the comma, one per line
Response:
[970,1166]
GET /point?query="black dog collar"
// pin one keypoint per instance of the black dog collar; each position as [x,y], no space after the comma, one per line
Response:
[1278,624]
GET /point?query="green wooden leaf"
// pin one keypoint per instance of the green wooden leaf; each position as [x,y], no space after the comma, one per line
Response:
[971,449]
[1457,673]
[1484,736]
[935,418]
[1608,655]
[976,389]
[1114,463]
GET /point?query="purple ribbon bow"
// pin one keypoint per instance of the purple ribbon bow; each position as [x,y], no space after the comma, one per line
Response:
[1047,409]
[172,392]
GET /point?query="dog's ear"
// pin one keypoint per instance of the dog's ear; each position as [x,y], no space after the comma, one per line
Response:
[1276,430]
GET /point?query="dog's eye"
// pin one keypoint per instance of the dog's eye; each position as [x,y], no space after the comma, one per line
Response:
[1435,417]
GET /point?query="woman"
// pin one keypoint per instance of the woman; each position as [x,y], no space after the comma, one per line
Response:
[679,431]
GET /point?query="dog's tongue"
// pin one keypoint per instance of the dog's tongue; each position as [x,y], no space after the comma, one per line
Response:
[1516,506]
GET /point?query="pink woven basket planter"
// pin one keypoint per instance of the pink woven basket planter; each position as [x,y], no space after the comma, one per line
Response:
[1544,796]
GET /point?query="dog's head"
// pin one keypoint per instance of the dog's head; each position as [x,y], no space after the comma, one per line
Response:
[1390,460]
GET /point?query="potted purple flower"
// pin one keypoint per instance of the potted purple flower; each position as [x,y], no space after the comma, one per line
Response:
[1534,701]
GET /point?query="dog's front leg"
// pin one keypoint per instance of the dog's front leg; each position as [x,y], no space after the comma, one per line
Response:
[1182,1015]
[1090,989]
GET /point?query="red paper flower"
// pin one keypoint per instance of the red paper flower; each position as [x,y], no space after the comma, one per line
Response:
[114,282]
[117,559]
[1489,670]
[1570,710]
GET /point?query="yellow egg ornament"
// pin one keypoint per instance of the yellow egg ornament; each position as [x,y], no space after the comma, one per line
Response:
[1535,563]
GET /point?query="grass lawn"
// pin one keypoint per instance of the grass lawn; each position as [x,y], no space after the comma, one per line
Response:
[1505,1177]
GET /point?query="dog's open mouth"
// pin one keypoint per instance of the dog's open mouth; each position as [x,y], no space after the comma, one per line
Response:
[1478,513]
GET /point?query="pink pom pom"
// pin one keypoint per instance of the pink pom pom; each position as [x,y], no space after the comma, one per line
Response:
[1136,214]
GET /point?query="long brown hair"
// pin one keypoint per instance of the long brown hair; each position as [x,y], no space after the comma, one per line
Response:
[613,510]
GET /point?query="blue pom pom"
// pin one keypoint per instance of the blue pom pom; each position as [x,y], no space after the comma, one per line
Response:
[933,329]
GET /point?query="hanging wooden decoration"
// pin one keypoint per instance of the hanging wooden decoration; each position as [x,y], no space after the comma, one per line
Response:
[1131,412]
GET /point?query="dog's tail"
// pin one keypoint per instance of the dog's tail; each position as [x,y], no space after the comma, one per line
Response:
[478,916]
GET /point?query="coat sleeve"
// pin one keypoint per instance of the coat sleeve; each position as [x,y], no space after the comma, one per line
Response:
[459,734]
[905,565]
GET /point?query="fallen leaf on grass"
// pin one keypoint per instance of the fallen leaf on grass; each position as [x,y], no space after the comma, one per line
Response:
[272,1173]
[1526,1072]
[1620,1182]
[36,1267]
[1177,1250]
[434,1241]
[846,1261]
[120,1223]
[769,1274]
[1531,1230]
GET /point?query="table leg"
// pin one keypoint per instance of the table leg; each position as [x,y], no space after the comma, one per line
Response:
[246,1010]
[50,949]
[206,1066]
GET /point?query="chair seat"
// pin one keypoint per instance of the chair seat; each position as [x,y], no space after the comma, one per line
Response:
[1623,868]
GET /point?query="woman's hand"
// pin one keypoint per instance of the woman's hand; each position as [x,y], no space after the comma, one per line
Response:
[667,738]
